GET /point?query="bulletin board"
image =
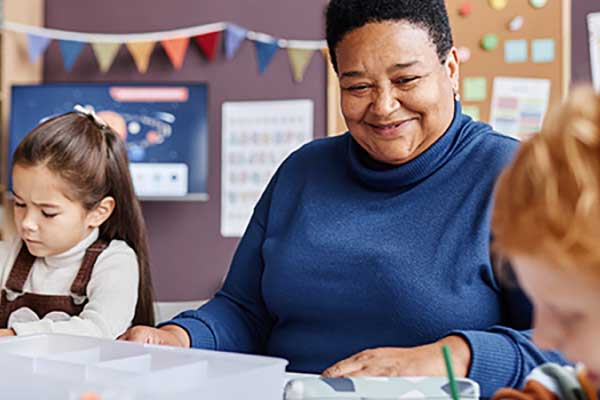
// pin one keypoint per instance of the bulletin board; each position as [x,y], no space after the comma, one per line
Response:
[542,51]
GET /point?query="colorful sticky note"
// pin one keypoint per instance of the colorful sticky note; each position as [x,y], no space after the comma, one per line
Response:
[515,51]
[498,4]
[542,50]
[490,42]
[471,111]
[538,3]
[474,89]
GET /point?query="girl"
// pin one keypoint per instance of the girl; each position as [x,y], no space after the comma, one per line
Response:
[547,223]
[80,262]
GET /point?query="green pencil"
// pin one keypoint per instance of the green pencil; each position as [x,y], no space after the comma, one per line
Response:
[450,371]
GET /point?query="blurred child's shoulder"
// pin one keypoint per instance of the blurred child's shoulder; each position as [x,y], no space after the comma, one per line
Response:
[118,251]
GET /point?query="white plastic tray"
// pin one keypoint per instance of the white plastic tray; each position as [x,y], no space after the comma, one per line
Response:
[67,367]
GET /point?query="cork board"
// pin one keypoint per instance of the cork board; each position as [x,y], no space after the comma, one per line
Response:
[551,22]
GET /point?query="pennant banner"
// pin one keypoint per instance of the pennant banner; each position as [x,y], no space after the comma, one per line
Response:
[208,44]
[105,54]
[141,52]
[234,36]
[176,49]
[36,46]
[70,50]
[299,59]
[265,53]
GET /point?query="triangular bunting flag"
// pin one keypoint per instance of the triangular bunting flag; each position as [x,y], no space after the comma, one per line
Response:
[234,36]
[176,49]
[265,52]
[299,59]
[70,50]
[141,52]
[36,46]
[105,54]
[208,44]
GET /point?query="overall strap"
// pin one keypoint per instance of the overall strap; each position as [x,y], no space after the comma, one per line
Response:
[87,265]
[20,270]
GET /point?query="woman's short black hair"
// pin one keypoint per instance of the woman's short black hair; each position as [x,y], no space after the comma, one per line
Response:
[343,16]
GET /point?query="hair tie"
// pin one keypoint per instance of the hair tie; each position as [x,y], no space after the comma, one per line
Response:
[89,112]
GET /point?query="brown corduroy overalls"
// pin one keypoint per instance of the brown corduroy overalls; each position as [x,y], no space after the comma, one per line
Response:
[12,295]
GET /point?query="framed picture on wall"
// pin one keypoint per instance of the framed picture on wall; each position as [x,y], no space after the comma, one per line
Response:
[164,128]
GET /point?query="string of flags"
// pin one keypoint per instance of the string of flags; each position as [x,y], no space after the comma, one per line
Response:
[174,42]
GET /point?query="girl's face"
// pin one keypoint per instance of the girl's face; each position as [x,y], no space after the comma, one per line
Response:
[48,222]
[566,310]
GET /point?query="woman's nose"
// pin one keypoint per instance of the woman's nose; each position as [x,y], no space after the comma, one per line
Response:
[385,102]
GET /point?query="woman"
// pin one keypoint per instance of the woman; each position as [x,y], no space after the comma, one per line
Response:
[377,239]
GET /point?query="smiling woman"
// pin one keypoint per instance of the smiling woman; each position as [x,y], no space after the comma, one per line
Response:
[369,251]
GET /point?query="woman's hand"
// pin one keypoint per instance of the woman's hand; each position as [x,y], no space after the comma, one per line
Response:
[424,360]
[7,332]
[169,335]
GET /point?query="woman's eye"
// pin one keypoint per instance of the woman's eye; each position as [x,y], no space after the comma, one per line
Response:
[403,81]
[20,205]
[49,215]
[357,88]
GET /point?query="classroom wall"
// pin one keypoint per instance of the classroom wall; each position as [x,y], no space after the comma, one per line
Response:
[580,49]
[189,257]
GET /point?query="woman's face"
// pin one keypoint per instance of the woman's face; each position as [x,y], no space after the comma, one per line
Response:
[397,97]
[566,310]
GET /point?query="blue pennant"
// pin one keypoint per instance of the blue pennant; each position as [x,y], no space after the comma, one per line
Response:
[70,51]
[265,52]
[36,46]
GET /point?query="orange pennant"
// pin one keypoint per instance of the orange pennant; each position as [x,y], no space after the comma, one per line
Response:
[208,44]
[176,49]
[141,52]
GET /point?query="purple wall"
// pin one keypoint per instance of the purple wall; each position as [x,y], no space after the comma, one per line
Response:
[580,48]
[189,256]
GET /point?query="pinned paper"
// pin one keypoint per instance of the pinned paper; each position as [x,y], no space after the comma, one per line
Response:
[498,4]
[265,52]
[538,3]
[516,24]
[176,49]
[208,44]
[464,54]
[105,54]
[471,111]
[299,59]
[542,50]
[70,50]
[515,51]
[593,23]
[474,89]
[141,52]
[465,9]
[490,42]
[36,46]
[234,36]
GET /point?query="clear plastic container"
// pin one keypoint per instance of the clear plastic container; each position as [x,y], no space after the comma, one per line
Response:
[82,368]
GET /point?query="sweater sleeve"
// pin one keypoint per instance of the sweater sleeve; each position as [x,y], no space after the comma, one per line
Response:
[236,319]
[112,294]
[503,356]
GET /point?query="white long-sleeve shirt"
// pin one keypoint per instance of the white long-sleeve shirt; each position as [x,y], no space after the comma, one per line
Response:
[112,291]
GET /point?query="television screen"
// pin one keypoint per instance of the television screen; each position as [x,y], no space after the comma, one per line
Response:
[164,128]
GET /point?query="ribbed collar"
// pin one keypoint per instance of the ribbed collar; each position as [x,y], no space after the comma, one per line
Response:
[386,177]
[73,256]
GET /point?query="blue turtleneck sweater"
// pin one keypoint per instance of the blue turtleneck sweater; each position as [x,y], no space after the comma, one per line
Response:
[344,254]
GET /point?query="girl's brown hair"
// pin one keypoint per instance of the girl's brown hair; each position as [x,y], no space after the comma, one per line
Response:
[547,201]
[92,159]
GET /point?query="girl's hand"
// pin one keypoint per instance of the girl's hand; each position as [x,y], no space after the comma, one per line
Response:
[169,335]
[424,360]
[7,332]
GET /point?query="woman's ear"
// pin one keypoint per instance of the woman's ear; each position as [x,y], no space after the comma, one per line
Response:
[102,212]
[452,68]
